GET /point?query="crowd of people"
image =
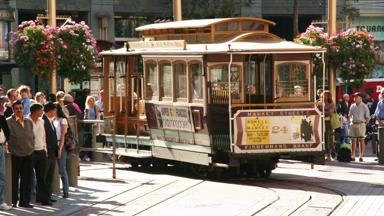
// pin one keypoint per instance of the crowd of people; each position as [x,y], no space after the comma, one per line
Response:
[355,115]
[33,130]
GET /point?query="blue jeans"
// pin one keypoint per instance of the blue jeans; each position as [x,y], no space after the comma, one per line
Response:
[62,163]
[346,133]
[2,174]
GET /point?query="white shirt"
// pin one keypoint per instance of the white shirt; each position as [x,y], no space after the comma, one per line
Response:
[39,132]
[57,123]
[2,137]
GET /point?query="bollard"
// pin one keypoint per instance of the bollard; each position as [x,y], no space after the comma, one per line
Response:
[381,145]
[97,156]
[72,169]
[56,180]
[8,179]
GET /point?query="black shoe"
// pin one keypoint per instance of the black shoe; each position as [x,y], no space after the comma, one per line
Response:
[52,200]
[66,195]
[14,205]
[47,203]
[26,205]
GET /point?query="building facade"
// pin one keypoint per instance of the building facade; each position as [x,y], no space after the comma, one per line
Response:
[115,20]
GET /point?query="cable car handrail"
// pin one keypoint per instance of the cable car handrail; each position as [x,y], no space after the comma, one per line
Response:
[276,104]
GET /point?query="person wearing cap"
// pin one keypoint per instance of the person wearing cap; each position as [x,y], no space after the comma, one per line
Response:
[343,110]
[69,106]
[359,116]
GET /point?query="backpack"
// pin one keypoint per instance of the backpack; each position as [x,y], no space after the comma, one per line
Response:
[344,153]
[70,142]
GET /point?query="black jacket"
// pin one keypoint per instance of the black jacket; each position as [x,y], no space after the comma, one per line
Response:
[343,108]
[50,137]
[4,126]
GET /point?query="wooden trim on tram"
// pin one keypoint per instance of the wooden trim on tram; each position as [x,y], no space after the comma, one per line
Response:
[276,104]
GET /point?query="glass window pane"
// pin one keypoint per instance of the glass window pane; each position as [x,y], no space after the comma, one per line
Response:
[197,81]
[166,80]
[120,78]
[181,81]
[251,26]
[151,81]
[292,80]
[219,82]
[111,78]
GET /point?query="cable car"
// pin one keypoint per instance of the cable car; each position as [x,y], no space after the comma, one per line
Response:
[214,93]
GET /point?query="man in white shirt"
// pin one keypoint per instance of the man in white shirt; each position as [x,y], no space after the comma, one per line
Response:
[4,132]
[39,154]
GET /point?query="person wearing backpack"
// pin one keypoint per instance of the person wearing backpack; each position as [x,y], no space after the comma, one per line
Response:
[61,126]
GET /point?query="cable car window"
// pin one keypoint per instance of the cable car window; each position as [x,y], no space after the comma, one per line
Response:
[251,26]
[111,84]
[292,81]
[166,80]
[219,83]
[120,73]
[151,81]
[197,81]
[181,85]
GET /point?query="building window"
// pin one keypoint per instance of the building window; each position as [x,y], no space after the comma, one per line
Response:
[197,81]
[181,84]
[103,28]
[151,81]
[125,26]
[4,53]
[166,81]
[292,81]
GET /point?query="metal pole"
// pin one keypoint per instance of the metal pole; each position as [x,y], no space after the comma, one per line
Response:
[331,32]
[230,98]
[177,10]
[52,23]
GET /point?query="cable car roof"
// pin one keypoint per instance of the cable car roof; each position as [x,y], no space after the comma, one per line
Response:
[260,47]
[199,23]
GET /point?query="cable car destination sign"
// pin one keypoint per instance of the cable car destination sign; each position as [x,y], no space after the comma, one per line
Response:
[277,129]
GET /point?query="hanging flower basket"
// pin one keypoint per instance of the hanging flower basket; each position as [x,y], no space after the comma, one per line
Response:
[77,51]
[314,36]
[352,53]
[70,49]
[35,48]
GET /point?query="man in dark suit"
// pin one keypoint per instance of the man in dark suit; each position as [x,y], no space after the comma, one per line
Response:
[51,140]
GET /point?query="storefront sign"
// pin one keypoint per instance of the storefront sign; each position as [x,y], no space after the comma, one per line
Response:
[175,118]
[7,14]
[373,25]
[277,129]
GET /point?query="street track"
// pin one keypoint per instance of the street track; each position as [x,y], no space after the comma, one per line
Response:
[238,196]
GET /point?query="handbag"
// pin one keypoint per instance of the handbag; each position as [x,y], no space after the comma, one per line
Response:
[335,121]
[70,142]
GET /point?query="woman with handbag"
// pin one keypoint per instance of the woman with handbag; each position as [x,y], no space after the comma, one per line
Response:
[61,126]
[329,110]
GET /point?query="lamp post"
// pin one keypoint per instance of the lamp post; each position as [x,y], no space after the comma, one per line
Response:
[331,32]
[52,23]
